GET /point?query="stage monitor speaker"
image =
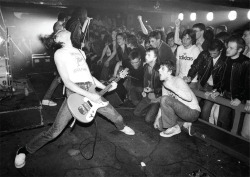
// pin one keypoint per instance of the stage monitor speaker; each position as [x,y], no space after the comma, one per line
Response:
[43,63]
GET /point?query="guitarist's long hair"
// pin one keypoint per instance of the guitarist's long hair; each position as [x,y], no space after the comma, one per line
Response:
[49,43]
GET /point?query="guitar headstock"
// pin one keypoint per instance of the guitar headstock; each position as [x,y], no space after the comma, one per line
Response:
[123,73]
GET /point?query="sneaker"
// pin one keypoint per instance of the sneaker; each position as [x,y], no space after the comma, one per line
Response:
[20,159]
[188,126]
[48,103]
[171,131]
[128,131]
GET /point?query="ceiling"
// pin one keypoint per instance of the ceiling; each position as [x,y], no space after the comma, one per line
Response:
[129,3]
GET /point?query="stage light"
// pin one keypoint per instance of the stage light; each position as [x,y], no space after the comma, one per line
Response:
[146,21]
[210,16]
[232,15]
[248,15]
[193,16]
[181,16]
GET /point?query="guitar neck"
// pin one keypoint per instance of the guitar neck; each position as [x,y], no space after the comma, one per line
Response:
[102,92]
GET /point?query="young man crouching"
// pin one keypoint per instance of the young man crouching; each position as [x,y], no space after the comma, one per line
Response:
[178,105]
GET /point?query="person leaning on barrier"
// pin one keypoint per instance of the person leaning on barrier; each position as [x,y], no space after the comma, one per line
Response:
[236,81]
[209,66]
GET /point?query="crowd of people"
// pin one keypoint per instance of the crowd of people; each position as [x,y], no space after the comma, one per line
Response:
[164,69]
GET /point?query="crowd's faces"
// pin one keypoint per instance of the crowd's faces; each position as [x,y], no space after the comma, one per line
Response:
[154,42]
[198,33]
[232,50]
[214,53]
[171,42]
[186,41]
[139,39]
[150,57]
[246,37]
[136,63]
[129,45]
[164,72]
[120,40]
[113,35]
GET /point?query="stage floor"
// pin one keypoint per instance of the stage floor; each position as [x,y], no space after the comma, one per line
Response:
[115,154]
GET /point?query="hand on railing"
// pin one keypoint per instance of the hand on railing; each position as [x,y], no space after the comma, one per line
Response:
[235,102]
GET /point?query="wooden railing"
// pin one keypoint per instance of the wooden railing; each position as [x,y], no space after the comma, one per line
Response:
[222,101]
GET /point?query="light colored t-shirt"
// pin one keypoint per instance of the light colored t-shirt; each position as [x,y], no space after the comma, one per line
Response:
[77,67]
[185,58]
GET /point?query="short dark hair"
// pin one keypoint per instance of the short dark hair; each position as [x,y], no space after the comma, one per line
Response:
[155,34]
[79,12]
[131,39]
[123,35]
[61,16]
[201,26]
[222,28]
[169,36]
[155,50]
[223,36]
[134,54]
[170,65]
[216,44]
[141,35]
[191,33]
[239,41]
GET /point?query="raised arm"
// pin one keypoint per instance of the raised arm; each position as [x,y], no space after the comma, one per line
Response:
[177,39]
[143,28]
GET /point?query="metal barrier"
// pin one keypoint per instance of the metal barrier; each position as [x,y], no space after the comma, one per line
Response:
[222,101]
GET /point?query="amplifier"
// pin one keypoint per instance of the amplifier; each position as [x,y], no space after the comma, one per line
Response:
[42,63]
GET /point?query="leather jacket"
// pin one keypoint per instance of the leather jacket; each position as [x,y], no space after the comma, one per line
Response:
[156,83]
[240,79]
[202,65]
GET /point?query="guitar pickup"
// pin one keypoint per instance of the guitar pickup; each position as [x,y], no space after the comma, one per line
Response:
[89,103]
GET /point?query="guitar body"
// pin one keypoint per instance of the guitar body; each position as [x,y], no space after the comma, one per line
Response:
[82,108]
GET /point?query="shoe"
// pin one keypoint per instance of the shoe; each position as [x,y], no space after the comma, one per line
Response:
[171,131]
[128,131]
[20,159]
[188,126]
[48,103]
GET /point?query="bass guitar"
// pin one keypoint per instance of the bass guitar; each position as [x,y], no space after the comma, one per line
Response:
[82,108]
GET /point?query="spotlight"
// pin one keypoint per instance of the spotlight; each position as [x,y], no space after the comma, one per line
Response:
[146,21]
[232,15]
[181,16]
[210,16]
[248,15]
[193,16]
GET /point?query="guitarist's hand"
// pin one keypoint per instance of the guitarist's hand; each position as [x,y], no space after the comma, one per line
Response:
[95,98]
[114,86]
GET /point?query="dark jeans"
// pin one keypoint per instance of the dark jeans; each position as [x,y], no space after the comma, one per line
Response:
[225,118]
[62,119]
[52,88]
[148,109]
[207,105]
[173,111]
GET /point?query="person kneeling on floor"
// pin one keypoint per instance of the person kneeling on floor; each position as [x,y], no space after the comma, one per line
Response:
[178,104]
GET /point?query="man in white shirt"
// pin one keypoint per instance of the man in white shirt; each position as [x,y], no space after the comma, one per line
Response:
[186,54]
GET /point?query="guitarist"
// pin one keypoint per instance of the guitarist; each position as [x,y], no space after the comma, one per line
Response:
[74,71]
